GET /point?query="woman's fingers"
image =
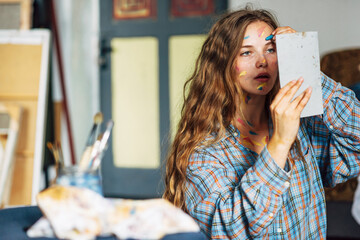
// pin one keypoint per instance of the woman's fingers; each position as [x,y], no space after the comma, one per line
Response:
[291,92]
[282,30]
[300,101]
[282,92]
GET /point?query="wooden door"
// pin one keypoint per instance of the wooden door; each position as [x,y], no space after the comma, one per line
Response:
[148,50]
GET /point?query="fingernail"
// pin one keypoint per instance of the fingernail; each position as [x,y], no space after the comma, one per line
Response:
[309,90]
[269,37]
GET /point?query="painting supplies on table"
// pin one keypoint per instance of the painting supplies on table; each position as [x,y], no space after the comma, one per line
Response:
[87,172]
[77,213]
[98,151]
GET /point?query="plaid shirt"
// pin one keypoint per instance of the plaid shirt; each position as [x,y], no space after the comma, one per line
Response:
[235,193]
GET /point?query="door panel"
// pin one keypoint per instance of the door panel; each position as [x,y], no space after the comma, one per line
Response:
[135,91]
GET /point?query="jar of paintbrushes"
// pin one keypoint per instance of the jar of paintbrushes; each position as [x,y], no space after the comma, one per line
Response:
[86,173]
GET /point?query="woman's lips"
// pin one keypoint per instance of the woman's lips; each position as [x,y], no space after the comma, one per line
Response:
[262,77]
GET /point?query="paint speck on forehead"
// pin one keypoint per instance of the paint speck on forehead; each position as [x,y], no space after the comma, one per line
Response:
[261,31]
[246,37]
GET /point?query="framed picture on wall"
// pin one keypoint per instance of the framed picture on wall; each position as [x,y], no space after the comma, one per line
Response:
[134,9]
[188,8]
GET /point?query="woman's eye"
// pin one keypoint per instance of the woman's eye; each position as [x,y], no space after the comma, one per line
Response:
[247,53]
[271,50]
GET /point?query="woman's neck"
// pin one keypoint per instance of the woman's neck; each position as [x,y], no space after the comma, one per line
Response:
[252,121]
[253,112]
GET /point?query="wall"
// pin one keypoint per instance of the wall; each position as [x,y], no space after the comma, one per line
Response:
[337,22]
[78,25]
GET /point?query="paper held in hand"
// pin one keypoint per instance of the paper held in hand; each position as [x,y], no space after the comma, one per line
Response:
[298,56]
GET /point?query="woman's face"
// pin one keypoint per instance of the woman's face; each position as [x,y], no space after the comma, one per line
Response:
[256,64]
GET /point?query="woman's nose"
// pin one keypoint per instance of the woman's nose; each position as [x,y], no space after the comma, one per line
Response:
[261,62]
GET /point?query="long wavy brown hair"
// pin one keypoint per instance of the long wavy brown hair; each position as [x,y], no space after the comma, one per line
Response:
[212,97]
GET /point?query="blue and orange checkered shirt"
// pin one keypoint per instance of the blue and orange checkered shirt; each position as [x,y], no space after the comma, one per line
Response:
[235,193]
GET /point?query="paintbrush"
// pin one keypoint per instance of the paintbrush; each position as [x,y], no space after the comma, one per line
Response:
[60,154]
[58,159]
[84,161]
[99,149]
[55,153]
[98,118]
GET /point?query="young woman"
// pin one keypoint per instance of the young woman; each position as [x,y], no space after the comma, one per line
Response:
[243,164]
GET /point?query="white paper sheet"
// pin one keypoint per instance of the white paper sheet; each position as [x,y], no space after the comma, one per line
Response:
[298,56]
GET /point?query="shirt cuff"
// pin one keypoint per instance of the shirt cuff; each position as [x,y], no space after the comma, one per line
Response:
[271,174]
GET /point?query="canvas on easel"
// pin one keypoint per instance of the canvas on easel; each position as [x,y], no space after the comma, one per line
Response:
[24,66]
[10,121]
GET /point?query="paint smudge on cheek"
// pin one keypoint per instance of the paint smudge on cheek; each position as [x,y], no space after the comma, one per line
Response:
[246,37]
[242,73]
[261,32]
[261,86]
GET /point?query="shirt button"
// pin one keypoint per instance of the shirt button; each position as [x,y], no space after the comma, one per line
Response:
[279,230]
[287,184]
[236,134]
[331,127]
[271,215]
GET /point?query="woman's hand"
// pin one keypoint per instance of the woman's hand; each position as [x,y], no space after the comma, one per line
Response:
[285,114]
[282,30]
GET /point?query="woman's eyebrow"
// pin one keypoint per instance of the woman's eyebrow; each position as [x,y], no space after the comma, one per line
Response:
[249,46]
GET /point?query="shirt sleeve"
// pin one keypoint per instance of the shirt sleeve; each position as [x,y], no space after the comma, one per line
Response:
[335,135]
[230,206]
